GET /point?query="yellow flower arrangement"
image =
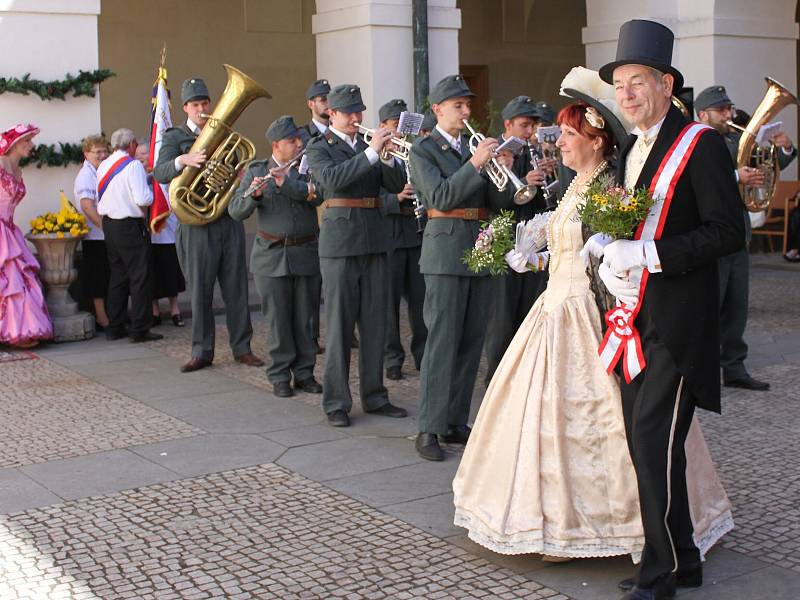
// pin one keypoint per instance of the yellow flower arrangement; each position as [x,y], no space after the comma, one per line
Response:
[67,221]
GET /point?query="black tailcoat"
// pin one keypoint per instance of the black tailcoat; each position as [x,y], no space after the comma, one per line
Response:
[704,223]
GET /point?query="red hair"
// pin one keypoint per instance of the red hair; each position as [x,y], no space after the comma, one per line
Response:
[574,115]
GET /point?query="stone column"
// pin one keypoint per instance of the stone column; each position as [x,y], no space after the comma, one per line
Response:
[735,44]
[48,39]
[369,43]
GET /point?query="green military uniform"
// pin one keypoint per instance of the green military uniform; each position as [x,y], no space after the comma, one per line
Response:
[405,279]
[284,261]
[352,247]
[208,253]
[456,299]
[514,293]
[320,87]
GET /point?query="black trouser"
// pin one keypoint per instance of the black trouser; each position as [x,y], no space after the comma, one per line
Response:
[734,291]
[658,409]
[129,256]
[793,237]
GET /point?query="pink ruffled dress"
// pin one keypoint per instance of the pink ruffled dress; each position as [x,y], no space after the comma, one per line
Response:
[23,313]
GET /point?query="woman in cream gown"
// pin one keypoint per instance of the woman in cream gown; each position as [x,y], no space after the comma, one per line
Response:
[547,468]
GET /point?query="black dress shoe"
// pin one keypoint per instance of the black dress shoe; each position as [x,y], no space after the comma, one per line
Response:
[310,385]
[338,418]
[691,578]
[457,434]
[282,389]
[748,383]
[116,333]
[147,336]
[394,373]
[389,410]
[428,447]
[177,320]
[195,364]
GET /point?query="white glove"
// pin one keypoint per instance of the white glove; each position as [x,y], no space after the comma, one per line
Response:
[517,261]
[595,246]
[622,256]
[622,289]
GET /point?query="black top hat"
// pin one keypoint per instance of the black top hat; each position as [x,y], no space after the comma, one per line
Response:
[644,43]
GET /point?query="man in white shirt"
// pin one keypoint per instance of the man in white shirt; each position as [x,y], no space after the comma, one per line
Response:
[95,271]
[123,195]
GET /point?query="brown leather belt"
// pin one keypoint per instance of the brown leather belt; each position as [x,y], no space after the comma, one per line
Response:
[286,241]
[352,203]
[407,211]
[467,214]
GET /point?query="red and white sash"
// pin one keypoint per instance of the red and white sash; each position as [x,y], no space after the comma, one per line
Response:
[622,338]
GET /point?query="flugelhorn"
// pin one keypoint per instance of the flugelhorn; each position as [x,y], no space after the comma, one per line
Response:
[497,173]
[402,146]
[200,195]
[263,183]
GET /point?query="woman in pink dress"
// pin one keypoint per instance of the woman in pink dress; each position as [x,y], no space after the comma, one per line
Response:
[23,314]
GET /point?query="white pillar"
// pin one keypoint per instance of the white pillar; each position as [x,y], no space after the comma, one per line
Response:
[369,43]
[735,44]
[66,34]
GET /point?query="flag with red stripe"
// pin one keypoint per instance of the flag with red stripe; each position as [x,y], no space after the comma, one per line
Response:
[160,121]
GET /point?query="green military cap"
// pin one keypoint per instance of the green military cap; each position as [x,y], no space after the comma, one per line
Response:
[521,106]
[392,109]
[282,128]
[711,97]
[452,86]
[194,89]
[546,112]
[346,98]
[429,122]
[320,87]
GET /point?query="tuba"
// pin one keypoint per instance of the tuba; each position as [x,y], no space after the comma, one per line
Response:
[200,195]
[748,154]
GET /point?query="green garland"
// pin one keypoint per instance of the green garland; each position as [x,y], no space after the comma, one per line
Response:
[45,155]
[82,85]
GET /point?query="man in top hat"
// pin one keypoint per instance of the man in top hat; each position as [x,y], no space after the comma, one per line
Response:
[317,102]
[515,293]
[405,280]
[715,108]
[671,271]
[458,195]
[211,252]
[354,240]
[284,260]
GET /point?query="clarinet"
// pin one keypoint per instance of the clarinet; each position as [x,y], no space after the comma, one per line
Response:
[550,200]
[420,212]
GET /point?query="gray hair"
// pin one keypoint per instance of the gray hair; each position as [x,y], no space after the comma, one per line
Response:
[122,138]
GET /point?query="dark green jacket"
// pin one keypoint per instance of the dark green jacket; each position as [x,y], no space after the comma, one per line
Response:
[445,181]
[346,173]
[176,141]
[404,226]
[282,212]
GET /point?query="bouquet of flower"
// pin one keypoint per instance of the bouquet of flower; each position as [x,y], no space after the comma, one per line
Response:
[66,221]
[495,238]
[610,209]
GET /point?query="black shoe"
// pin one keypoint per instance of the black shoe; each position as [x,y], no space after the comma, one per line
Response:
[389,410]
[147,336]
[456,434]
[338,418]
[394,373]
[690,578]
[177,320]
[428,447]
[116,334]
[195,364]
[282,389]
[310,385]
[748,383]
[156,320]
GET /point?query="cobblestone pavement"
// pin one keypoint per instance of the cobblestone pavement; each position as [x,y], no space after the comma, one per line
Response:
[130,480]
[260,532]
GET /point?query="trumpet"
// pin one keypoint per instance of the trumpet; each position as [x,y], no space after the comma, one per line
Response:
[550,182]
[257,187]
[402,146]
[497,173]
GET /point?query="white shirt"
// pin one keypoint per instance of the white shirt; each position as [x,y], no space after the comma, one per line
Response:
[323,129]
[372,156]
[455,143]
[634,163]
[194,128]
[127,192]
[86,187]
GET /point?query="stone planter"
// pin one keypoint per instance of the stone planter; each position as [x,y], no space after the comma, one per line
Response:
[57,261]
